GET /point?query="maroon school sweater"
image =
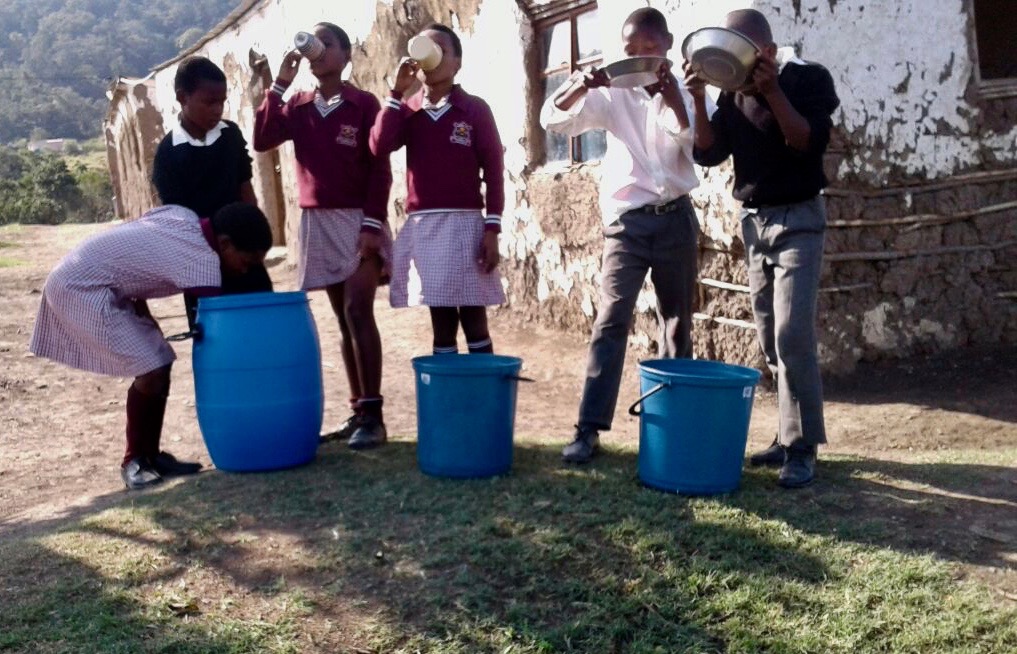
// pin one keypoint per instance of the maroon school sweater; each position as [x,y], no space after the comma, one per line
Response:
[448,154]
[335,166]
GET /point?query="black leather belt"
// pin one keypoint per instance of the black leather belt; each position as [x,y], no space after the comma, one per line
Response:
[667,207]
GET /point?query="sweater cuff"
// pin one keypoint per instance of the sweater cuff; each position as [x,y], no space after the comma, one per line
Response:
[371,225]
[279,88]
[394,100]
[492,223]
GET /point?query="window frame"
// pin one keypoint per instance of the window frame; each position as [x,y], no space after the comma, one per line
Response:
[541,27]
[994,88]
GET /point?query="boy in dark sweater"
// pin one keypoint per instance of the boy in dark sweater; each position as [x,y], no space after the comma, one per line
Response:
[776,129]
[203,164]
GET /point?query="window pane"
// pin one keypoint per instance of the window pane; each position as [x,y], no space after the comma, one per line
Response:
[995,26]
[593,145]
[558,46]
[557,145]
[589,34]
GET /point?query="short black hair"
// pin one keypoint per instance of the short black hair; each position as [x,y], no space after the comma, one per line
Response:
[648,18]
[245,225]
[752,24]
[457,45]
[340,34]
[193,71]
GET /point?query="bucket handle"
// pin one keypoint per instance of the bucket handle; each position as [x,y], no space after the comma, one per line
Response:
[633,410]
[196,333]
[519,378]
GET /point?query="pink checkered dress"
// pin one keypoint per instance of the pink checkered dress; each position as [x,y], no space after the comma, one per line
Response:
[435,262]
[328,246]
[87,317]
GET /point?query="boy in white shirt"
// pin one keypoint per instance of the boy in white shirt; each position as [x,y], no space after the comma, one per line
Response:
[649,222]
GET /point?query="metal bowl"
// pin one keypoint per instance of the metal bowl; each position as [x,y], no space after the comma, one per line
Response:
[720,56]
[634,71]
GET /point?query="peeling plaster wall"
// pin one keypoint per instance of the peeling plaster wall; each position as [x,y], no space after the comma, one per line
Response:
[132,128]
[910,115]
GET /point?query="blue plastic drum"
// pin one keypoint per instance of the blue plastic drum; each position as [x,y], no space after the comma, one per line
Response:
[257,380]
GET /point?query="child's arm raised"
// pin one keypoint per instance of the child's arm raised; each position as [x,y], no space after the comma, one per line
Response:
[271,120]
[577,86]
[710,145]
[387,134]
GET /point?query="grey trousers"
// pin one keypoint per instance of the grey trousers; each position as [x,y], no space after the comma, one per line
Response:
[784,252]
[668,246]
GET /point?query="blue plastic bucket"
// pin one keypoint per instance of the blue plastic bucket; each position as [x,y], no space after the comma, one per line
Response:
[694,424]
[466,409]
[257,380]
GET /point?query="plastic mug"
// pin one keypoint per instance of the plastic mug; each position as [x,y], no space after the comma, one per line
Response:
[425,51]
[309,45]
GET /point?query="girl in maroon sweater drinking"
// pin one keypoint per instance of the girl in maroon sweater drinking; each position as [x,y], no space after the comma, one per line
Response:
[446,254]
[345,243]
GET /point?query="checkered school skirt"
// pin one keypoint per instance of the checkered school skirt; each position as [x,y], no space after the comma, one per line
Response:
[96,331]
[435,262]
[328,246]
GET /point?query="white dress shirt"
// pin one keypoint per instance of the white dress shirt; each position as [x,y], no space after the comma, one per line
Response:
[649,157]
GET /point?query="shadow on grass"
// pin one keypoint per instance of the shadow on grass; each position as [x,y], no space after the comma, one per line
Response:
[551,558]
[959,512]
[57,602]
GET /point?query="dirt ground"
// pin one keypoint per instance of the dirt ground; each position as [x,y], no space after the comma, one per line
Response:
[934,439]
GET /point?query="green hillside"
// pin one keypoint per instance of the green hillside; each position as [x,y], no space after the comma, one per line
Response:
[57,57]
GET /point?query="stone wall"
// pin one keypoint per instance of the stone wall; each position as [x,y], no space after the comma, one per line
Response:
[922,164]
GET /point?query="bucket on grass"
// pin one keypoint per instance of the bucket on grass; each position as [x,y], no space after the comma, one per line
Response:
[466,409]
[694,424]
[257,380]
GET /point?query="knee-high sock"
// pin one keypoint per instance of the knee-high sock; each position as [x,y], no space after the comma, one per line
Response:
[144,424]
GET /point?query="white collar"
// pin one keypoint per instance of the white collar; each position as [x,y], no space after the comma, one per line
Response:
[785,56]
[180,135]
[434,106]
[437,109]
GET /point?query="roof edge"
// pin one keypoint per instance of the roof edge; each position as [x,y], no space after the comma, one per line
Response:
[231,18]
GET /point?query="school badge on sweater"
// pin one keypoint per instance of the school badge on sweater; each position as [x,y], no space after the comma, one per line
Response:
[462,133]
[347,135]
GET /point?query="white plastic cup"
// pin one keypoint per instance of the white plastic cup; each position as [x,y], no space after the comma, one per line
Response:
[425,52]
[309,46]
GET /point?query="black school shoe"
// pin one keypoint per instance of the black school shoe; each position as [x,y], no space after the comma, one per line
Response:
[800,468]
[369,433]
[344,431]
[771,457]
[139,473]
[584,446]
[168,465]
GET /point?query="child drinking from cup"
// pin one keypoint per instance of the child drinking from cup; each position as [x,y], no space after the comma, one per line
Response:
[446,254]
[345,242]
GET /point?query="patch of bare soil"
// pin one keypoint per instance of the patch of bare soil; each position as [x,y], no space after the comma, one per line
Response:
[931,441]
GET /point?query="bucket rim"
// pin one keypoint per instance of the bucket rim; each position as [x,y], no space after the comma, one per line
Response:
[466,365]
[249,300]
[735,375]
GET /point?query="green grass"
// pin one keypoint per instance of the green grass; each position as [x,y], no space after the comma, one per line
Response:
[7,262]
[363,553]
